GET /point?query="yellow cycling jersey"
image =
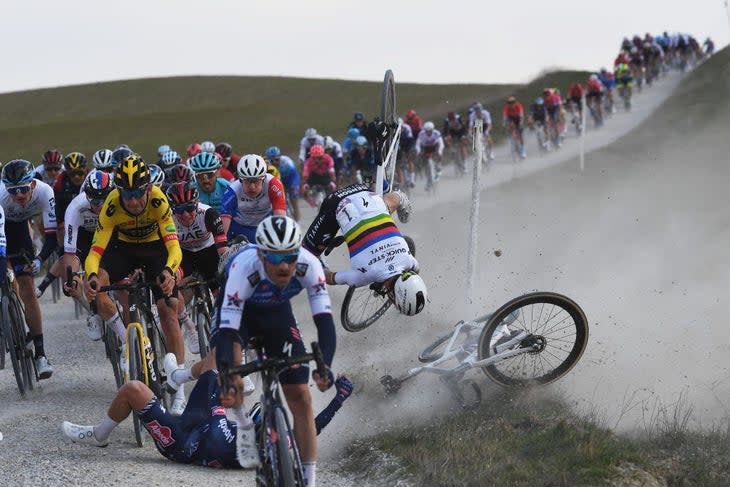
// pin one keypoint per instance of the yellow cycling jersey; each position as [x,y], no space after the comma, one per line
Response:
[274,171]
[154,223]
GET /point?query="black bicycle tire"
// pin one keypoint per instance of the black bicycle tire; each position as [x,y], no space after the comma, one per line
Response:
[30,374]
[159,347]
[388,109]
[202,328]
[431,352]
[3,348]
[353,326]
[286,469]
[113,353]
[136,372]
[8,329]
[549,298]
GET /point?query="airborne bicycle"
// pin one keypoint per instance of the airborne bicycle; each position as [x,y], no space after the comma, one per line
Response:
[532,339]
[281,464]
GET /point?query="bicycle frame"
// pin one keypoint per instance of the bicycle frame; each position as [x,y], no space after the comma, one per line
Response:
[146,361]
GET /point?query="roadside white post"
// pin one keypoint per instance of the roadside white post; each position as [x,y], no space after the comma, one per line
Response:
[478,147]
[583,132]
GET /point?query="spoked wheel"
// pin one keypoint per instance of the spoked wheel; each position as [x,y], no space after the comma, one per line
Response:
[202,325]
[558,334]
[13,346]
[136,372]
[363,306]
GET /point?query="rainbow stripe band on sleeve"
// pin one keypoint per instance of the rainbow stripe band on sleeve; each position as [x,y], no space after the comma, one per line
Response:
[369,232]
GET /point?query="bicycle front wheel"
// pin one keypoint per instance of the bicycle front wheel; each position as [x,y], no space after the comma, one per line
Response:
[558,332]
[202,325]
[136,372]
[290,471]
[25,353]
[12,345]
[362,307]
[387,100]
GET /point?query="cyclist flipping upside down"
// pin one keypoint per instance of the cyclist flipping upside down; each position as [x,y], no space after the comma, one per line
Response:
[378,251]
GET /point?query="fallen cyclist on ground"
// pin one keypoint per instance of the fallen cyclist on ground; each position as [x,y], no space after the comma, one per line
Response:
[202,435]
[378,251]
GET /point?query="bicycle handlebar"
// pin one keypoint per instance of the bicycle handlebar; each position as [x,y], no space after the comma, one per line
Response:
[276,364]
[130,286]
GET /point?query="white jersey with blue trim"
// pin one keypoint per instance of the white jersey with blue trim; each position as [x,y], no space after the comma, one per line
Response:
[248,283]
[243,209]
[41,201]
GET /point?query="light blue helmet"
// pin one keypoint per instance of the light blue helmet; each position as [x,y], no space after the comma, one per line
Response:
[353,133]
[361,141]
[204,162]
[540,101]
[272,152]
[169,159]
[163,149]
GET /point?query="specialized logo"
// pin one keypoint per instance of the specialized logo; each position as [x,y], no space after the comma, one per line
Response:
[161,434]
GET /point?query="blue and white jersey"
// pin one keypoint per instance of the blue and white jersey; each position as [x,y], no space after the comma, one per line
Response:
[248,211]
[215,197]
[247,282]
[289,174]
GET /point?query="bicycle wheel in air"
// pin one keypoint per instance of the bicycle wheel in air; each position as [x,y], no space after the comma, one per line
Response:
[558,329]
[290,472]
[136,372]
[362,307]
[12,345]
[387,100]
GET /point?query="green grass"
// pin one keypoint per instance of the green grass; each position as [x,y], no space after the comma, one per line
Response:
[249,112]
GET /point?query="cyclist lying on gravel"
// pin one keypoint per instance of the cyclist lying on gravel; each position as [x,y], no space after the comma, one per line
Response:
[201,436]
[378,251]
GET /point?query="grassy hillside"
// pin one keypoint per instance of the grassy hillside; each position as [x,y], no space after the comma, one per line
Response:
[249,112]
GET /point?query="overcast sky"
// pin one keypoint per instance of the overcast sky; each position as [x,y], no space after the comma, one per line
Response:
[50,43]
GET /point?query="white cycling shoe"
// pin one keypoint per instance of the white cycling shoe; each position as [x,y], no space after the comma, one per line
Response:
[45,370]
[178,406]
[190,332]
[81,434]
[246,451]
[170,365]
[93,327]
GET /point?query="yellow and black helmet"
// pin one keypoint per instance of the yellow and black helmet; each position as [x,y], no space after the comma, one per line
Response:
[74,161]
[131,173]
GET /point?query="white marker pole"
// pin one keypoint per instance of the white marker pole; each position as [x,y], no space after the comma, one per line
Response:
[478,141]
[583,132]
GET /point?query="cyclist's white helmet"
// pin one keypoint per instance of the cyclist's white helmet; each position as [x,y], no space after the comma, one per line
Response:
[410,293]
[103,159]
[428,126]
[310,133]
[278,234]
[593,77]
[251,166]
[207,146]
[329,143]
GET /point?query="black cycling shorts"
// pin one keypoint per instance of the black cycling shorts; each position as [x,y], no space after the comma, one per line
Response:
[125,257]
[204,262]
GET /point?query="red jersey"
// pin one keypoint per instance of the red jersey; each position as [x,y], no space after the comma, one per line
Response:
[576,91]
[594,86]
[513,110]
[323,167]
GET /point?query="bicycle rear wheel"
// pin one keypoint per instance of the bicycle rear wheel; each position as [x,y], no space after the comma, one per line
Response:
[362,307]
[12,345]
[387,100]
[557,327]
[136,372]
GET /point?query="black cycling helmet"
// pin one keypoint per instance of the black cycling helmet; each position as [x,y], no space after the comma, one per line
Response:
[181,194]
[74,161]
[120,154]
[17,172]
[132,173]
[224,149]
[179,173]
